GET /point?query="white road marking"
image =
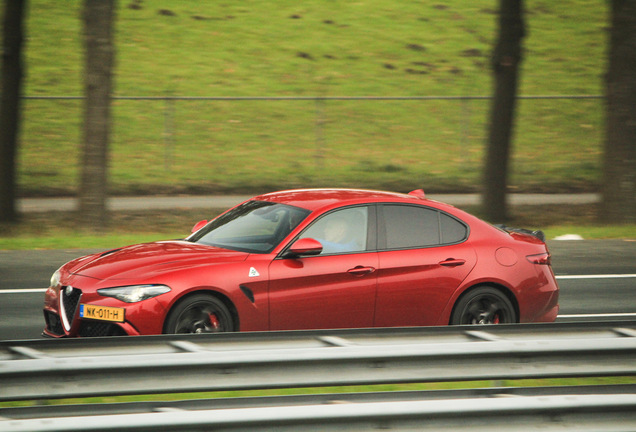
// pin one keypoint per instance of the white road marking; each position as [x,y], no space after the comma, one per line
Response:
[604,276]
[23,291]
[607,315]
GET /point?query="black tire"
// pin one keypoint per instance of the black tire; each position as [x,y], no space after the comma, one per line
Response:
[200,313]
[484,305]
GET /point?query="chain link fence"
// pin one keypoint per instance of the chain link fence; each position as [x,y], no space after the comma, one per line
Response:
[185,143]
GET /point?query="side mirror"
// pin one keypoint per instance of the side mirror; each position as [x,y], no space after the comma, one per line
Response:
[199,225]
[305,247]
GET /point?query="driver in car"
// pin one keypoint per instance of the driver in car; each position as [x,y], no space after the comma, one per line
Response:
[334,238]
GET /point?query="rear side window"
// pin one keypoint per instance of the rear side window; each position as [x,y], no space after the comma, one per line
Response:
[453,231]
[415,226]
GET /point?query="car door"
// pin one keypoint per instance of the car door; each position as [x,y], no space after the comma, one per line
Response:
[423,258]
[335,289]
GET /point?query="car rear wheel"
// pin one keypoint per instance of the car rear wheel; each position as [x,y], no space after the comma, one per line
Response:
[484,305]
[201,313]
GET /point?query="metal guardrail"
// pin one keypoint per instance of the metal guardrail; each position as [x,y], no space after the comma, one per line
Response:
[113,366]
[65,410]
[607,408]
[164,364]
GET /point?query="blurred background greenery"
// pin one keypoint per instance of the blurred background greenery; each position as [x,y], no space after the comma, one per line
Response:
[314,48]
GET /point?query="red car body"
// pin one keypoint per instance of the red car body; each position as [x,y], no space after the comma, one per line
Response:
[417,262]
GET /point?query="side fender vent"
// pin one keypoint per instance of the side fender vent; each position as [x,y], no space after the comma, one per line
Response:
[248,293]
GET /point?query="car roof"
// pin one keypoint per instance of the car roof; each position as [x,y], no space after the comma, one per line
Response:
[314,199]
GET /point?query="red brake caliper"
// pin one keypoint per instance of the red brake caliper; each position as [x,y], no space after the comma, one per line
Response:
[214,321]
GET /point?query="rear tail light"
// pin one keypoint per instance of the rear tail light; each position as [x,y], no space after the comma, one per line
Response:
[541,259]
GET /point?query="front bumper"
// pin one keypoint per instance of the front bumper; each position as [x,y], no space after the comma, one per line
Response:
[62,317]
[87,328]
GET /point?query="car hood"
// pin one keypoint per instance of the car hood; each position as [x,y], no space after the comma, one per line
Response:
[151,259]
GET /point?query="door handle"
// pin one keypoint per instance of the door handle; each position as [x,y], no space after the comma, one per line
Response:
[361,270]
[452,262]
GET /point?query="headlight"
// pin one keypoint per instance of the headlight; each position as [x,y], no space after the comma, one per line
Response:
[134,293]
[55,279]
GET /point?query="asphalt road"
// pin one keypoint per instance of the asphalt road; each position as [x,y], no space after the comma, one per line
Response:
[597,280]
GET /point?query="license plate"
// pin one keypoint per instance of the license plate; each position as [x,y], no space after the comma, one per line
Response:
[103,313]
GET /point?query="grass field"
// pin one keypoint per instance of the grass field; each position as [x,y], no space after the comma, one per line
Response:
[314,48]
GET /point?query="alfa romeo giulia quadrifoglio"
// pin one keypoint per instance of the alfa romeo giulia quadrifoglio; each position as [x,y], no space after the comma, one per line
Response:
[311,259]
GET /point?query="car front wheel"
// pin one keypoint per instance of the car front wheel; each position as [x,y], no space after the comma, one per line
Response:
[484,305]
[200,313]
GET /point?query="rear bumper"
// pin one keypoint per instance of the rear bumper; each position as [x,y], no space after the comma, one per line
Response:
[548,316]
[544,299]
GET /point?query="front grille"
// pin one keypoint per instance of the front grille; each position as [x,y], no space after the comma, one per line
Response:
[70,299]
[53,323]
[97,328]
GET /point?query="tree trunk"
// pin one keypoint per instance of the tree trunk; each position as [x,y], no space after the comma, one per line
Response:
[99,52]
[10,89]
[619,165]
[505,64]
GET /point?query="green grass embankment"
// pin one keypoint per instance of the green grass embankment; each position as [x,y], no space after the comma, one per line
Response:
[314,48]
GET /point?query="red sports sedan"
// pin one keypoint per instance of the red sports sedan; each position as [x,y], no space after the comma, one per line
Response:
[311,259]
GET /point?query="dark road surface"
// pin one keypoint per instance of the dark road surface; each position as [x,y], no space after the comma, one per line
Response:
[597,280]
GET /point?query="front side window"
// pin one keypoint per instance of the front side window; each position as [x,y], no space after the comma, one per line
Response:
[255,226]
[341,231]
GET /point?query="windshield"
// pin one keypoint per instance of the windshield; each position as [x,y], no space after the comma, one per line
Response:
[254,226]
